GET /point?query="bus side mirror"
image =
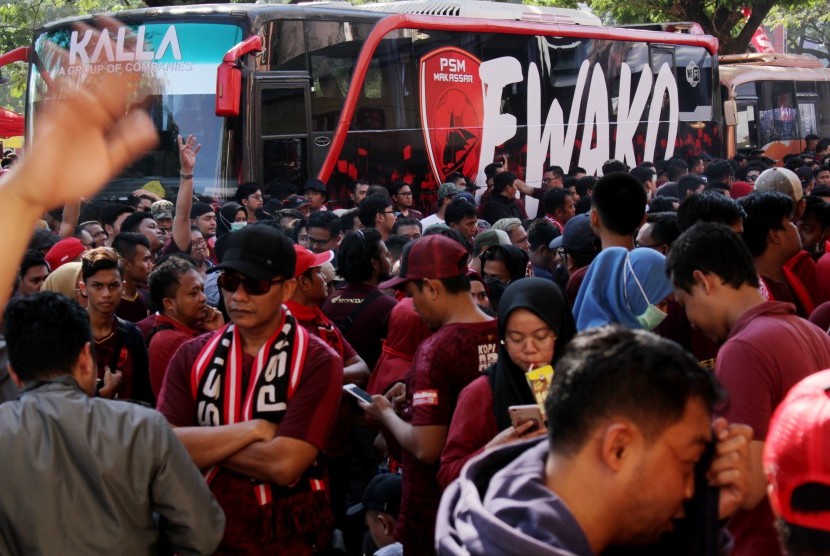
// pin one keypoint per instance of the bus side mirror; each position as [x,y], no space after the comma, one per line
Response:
[229,77]
[228,89]
[730,113]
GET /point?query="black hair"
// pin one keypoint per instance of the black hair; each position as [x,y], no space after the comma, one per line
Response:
[45,333]
[823,168]
[820,191]
[663,204]
[806,541]
[708,207]
[347,220]
[111,212]
[613,165]
[502,181]
[585,184]
[356,253]
[296,226]
[642,174]
[100,258]
[620,202]
[370,207]
[164,280]
[688,185]
[664,229]
[246,189]
[719,170]
[712,249]
[31,258]
[125,244]
[574,170]
[406,222]
[446,231]
[555,199]
[396,187]
[515,260]
[376,189]
[541,233]
[765,211]
[459,209]
[355,183]
[612,372]
[395,244]
[134,200]
[325,219]
[818,208]
[676,169]
[133,221]
[490,169]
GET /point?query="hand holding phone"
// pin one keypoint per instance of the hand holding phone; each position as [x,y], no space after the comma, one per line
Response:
[522,413]
[358,393]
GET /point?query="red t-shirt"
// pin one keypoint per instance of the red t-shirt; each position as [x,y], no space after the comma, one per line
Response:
[133,310]
[163,345]
[310,417]
[769,349]
[446,362]
[473,426]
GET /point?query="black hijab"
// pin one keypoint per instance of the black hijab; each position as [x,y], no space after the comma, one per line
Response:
[544,299]
[227,215]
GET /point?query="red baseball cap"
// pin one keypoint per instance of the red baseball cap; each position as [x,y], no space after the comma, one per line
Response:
[306,259]
[433,257]
[64,251]
[797,449]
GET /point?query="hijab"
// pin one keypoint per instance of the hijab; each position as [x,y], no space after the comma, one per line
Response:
[227,215]
[544,299]
[64,280]
[610,293]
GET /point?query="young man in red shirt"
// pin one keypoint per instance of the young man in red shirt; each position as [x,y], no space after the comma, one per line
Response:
[434,273]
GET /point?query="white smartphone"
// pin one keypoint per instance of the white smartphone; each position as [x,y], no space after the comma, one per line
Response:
[522,413]
[358,392]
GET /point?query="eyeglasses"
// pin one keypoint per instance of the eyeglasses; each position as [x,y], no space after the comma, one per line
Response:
[256,196]
[405,193]
[321,242]
[389,211]
[231,282]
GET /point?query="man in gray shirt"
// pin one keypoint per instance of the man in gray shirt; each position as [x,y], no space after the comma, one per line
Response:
[84,475]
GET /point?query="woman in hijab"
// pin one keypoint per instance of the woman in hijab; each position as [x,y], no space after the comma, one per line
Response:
[65,280]
[535,325]
[231,213]
[623,287]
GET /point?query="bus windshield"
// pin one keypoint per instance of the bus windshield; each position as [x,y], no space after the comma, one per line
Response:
[182,57]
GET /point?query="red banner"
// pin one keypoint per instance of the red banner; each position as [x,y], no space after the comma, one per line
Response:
[452,111]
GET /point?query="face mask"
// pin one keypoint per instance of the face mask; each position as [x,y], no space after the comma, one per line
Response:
[236,226]
[653,316]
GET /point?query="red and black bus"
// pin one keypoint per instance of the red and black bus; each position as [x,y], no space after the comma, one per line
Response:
[384,92]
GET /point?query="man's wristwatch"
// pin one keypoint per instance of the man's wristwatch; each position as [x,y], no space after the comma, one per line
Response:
[186,176]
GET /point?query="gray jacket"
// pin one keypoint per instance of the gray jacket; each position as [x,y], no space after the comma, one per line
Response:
[81,475]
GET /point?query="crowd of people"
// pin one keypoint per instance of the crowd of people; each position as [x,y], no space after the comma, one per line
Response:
[629,364]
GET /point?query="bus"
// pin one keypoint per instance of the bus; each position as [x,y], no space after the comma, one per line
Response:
[773,101]
[412,91]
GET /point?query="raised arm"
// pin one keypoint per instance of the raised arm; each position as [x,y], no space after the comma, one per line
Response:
[80,142]
[188,149]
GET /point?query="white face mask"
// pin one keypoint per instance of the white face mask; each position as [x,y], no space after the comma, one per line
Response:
[236,226]
[653,316]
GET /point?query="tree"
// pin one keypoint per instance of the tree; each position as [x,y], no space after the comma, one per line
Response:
[723,19]
[808,28]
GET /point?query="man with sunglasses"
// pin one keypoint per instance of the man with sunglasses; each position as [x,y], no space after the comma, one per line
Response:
[254,403]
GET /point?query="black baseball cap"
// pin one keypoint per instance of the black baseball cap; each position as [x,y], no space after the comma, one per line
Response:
[260,252]
[315,185]
[382,494]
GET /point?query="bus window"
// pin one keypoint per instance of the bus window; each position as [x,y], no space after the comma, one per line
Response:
[285,46]
[746,132]
[778,118]
[283,111]
[807,118]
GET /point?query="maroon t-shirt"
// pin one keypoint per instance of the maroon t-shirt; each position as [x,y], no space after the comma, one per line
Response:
[368,330]
[310,417]
[134,310]
[163,345]
[769,349]
[445,363]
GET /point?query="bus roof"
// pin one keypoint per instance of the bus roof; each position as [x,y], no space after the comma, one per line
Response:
[486,10]
[733,75]
[771,58]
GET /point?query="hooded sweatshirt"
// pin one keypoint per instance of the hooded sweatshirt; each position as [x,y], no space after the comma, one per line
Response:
[513,512]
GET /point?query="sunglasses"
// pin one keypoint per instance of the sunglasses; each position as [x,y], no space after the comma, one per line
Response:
[230,283]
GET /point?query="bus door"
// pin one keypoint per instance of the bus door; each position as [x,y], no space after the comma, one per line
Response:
[283,151]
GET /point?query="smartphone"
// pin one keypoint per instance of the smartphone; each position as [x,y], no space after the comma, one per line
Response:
[358,392]
[521,413]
